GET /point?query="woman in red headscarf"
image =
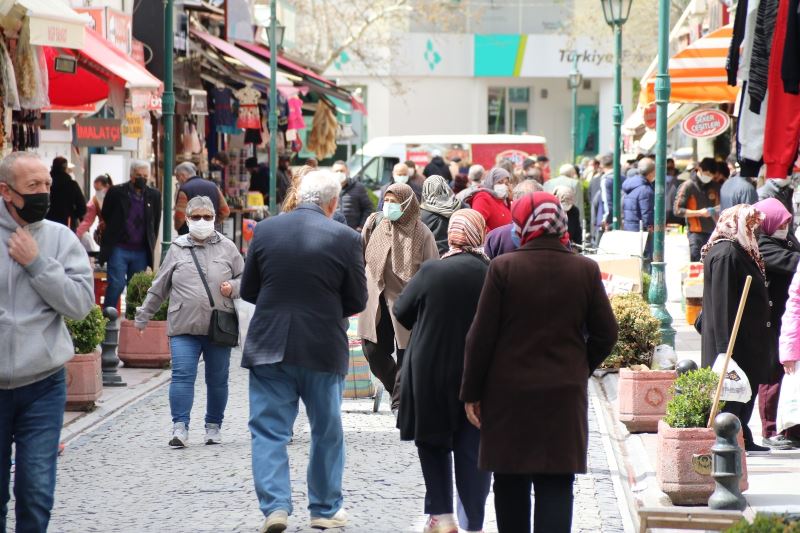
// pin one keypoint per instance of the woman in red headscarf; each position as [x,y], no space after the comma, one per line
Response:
[527,361]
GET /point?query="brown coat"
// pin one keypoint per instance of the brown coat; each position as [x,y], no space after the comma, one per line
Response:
[544,323]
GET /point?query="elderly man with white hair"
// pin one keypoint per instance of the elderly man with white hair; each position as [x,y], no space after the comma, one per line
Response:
[305,275]
[567,177]
[191,186]
[132,214]
[200,273]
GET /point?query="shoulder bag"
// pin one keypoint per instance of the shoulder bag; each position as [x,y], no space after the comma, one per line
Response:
[224,327]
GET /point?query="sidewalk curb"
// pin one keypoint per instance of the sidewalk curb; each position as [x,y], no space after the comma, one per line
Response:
[107,412]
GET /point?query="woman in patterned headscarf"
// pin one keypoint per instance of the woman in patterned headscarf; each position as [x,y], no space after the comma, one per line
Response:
[438,204]
[439,303]
[729,257]
[396,243]
[542,325]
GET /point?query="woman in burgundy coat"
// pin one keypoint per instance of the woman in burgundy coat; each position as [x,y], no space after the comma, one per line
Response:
[543,324]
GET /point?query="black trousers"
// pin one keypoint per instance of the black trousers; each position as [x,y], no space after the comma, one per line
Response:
[379,355]
[553,502]
[696,243]
[472,484]
[744,411]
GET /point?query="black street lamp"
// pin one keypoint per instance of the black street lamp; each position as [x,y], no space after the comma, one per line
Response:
[574,82]
[275,37]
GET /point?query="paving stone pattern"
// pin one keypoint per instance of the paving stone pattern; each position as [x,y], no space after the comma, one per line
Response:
[122,476]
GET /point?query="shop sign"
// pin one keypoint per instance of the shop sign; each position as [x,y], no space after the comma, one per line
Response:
[133,126]
[517,156]
[115,26]
[650,113]
[199,102]
[705,123]
[137,52]
[98,132]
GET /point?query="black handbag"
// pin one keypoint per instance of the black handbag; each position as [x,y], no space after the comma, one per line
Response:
[224,327]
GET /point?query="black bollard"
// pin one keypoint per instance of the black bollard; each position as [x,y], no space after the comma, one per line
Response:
[687,365]
[110,361]
[727,465]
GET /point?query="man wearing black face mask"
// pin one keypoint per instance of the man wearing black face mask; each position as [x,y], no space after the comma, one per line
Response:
[44,276]
[132,213]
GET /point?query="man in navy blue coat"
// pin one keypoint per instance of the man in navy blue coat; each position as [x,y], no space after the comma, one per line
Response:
[305,275]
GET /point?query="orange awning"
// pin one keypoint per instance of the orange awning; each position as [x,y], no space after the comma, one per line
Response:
[697,73]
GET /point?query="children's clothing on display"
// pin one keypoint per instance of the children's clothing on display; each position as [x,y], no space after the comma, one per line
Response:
[296,121]
[223,111]
[248,108]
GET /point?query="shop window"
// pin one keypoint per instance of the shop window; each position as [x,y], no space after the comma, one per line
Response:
[508,109]
[497,110]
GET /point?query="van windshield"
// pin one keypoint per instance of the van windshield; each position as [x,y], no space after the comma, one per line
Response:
[357,162]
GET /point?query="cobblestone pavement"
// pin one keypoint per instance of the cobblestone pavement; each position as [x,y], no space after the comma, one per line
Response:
[122,476]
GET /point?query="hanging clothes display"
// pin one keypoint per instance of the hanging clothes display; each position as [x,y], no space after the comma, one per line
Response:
[224,116]
[760,60]
[790,70]
[322,140]
[295,121]
[283,113]
[26,129]
[248,98]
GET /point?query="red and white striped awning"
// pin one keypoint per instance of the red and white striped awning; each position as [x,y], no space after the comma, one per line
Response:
[697,73]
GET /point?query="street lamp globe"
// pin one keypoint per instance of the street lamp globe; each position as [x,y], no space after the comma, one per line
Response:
[574,80]
[280,29]
[616,12]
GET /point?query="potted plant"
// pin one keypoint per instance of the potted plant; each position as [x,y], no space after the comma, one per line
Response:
[768,523]
[84,370]
[642,394]
[684,442]
[151,350]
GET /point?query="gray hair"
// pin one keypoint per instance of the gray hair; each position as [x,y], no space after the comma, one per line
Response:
[476,173]
[646,166]
[199,202]
[568,170]
[7,165]
[138,163]
[186,167]
[319,187]
[528,186]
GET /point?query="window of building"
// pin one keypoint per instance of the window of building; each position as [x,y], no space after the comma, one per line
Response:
[508,109]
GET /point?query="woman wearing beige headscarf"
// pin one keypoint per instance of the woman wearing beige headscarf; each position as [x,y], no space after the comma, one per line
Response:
[396,243]
[566,197]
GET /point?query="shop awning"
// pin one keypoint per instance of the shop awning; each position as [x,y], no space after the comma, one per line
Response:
[52,22]
[253,63]
[100,55]
[675,114]
[697,73]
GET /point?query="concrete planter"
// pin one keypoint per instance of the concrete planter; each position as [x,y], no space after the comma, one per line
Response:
[684,464]
[642,398]
[151,350]
[84,381]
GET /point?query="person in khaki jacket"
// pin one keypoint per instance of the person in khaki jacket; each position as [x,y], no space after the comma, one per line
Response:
[189,315]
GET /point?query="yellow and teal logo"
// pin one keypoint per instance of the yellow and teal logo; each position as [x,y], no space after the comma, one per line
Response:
[499,55]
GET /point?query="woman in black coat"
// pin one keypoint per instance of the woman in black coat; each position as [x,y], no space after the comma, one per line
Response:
[781,252]
[438,305]
[438,205]
[729,257]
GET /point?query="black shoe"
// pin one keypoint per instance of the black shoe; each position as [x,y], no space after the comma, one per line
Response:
[753,449]
[778,442]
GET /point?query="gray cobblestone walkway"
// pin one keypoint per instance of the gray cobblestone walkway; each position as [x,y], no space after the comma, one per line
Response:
[122,477]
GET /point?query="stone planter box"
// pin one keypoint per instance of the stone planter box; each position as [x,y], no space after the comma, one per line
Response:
[151,350]
[84,381]
[680,453]
[642,398]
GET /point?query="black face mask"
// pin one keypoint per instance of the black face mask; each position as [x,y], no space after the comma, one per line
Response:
[140,183]
[34,207]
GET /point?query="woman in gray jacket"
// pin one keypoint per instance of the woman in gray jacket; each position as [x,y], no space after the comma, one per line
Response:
[189,315]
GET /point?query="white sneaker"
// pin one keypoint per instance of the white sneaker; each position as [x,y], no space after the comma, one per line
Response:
[180,435]
[213,434]
[276,522]
[441,523]
[337,520]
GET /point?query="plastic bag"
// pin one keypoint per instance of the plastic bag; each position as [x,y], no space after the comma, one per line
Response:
[789,402]
[736,387]
[664,358]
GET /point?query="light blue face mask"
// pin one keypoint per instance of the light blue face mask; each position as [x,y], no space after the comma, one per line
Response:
[514,237]
[392,211]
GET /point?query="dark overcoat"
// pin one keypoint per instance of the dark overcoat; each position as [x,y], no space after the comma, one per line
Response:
[543,324]
[438,225]
[438,306]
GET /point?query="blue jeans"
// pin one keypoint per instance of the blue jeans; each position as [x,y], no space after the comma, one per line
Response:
[186,351]
[274,393]
[31,418]
[122,265]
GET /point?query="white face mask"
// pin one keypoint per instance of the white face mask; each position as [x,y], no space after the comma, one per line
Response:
[705,178]
[501,190]
[401,179]
[781,234]
[100,195]
[342,177]
[201,229]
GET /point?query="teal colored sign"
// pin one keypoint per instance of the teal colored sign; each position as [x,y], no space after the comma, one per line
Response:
[588,129]
[496,55]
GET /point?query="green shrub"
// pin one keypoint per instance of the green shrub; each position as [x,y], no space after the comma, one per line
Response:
[767,523]
[137,291]
[87,333]
[638,332]
[646,286]
[692,406]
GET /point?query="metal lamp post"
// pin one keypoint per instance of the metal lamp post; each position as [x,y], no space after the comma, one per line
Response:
[616,14]
[574,83]
[168,116]
[658,282]
[275,43]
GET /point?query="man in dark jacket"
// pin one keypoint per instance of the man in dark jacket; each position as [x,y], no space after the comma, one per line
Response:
[305,275]
[67,202]
[782,190]
[132,213]
[438,167]
[698,201]
[638,204]
[354,202]
[737,190]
